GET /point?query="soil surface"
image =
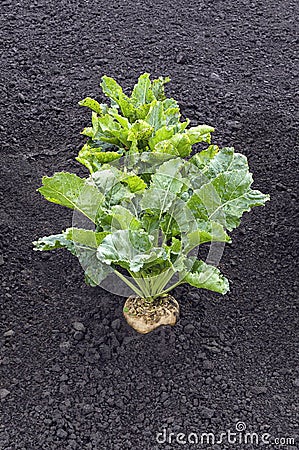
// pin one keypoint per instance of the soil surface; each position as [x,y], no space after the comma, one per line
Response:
[74,376]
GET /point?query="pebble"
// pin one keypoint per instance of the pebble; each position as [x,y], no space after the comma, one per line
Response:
[259,390]
[62,434]
[79,335]
[4,393]
[207,413]
[78,326]
[1,260]
[9,333]
[181,58]
[296,382]
[116,324]
[234,124]
[215,77]
[189,328]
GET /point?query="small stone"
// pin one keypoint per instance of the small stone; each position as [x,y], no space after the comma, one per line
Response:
[64,346]
[78,326]
[258,390]
[296,382]
[181,58]
[207,413]
[189,328]
[79,335]
[62,434]
[21,97]
[116,324]
[9,333]
[234,124]
[4,393]
[281,187]
[105,352]
[1,260]
[208,365]
[215,77]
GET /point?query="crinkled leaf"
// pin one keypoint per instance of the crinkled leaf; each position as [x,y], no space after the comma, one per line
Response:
[200,133]
[129,249]
[67,189]
[87,238]
[155,115]
[225,198]
[139,131]
[120,218]
[135,183]
[158,87]
[53,242]
[142,92]
[93,105]
[205,276]
[213,161]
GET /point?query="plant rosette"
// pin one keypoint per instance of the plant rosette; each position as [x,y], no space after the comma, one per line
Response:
[139,219]
[145,316]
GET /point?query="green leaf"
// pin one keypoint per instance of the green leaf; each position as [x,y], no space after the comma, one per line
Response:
[182,144]
[206,232]
[95,271]
[109,183]
[87,238]
[92,104]
[129,249]
[225,198]
[93,158]
[212,162]
[67,189]
[142,92]
[135,183]
[140,131]
[155,115]
[206,276]
[53,242]
[158,87]
[111,88]
[200,133]
[162,134]
[120,218]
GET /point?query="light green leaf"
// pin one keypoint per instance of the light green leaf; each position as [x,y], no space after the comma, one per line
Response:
[111,88]
[120,218]
[206,276]
[135,183]
[140,131]
[161,134]
[129,249]
[158,87]
[67,189]
[53,242]
[225,198]
[87,238]
[93,105]
[200,133]
[155,115]
[142,92]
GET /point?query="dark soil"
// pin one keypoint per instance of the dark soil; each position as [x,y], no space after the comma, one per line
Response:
[73,374]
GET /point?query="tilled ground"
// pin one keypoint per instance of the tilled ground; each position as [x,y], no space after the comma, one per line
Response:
[73,374]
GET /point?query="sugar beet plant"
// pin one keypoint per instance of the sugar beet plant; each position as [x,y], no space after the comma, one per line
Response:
[149,204]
